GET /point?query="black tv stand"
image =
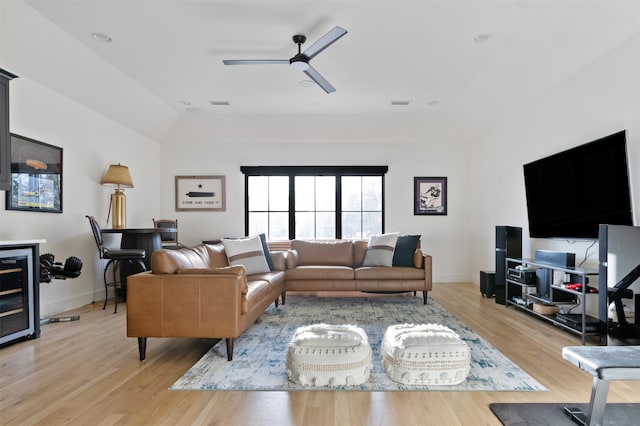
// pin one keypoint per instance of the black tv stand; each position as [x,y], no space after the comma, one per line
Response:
[545,297]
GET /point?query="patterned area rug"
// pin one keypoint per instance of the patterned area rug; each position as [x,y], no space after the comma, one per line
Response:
[260,353]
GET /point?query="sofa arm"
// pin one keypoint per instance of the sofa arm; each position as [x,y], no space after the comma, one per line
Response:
[279,260]
[291,259]
[428,271]
[183,305]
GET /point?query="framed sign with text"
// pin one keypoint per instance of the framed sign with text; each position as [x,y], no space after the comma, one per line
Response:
[200,193]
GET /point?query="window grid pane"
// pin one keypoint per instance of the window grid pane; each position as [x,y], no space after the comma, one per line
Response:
[315,207]
[279,193]
[268,210]
[258,193]
[325,193]
[372,193]
[314,199]
[305,194]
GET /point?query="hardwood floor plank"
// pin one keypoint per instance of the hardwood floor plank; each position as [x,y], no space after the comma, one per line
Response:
[88,372]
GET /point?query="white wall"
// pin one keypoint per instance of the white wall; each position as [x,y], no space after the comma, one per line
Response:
[42,55]
[90,143]
[601,99]
[219,145]
[485,174]
[486,186]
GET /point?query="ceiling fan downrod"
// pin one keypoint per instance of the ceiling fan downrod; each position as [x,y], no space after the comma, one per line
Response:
[300,62]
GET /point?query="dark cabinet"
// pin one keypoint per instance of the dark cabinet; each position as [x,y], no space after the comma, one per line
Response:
[5,151]
[19,291]
[508,244]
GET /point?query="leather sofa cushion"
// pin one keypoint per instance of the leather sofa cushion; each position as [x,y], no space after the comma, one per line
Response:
[333,253]
[259,288]
[320,272]
[291,260]
[273,277]
[165,261]
[278,258]
[217,255]
[359,252]
[389,273]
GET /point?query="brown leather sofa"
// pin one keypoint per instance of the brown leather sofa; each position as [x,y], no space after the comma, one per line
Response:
[193,292]
[337,266]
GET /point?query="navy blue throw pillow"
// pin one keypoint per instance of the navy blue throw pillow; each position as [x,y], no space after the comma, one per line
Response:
[267,253]
[405,248]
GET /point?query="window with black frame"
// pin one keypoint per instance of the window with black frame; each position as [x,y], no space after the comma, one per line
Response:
[314,202]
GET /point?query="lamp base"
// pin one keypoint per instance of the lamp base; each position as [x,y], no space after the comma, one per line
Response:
[118,209]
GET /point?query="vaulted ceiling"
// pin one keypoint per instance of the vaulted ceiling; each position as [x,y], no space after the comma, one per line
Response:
[469,61]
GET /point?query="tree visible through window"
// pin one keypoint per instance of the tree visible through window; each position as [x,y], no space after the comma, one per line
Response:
[314,202]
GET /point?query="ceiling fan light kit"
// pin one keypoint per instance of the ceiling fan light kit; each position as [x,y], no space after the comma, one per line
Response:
[300,61]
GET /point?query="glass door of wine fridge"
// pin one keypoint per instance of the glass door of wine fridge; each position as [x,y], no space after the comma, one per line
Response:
[16,299]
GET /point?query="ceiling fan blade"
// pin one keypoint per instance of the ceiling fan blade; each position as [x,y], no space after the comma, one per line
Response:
[254,61]
[320,80]
[325,41]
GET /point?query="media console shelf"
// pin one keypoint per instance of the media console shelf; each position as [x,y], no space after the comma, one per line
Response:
[556,294]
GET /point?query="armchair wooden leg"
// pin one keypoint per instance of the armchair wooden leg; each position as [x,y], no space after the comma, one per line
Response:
[424,297]
[229,342]
[284,295]
[142,347]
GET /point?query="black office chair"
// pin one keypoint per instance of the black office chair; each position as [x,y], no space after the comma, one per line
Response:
[115,257]
[169,239]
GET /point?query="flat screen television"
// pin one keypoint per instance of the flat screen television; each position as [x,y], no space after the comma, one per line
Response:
[569,194]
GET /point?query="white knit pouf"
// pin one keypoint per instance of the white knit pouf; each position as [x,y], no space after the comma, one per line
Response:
[424,354]
[329,355]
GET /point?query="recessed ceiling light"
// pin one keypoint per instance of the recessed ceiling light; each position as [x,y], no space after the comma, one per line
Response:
[434,102]
[105,38]
[220,103]
[400,102]
[306,83]
[481,38]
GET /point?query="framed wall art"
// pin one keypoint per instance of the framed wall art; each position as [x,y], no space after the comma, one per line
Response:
[430,196]
[200,193]
[36,176]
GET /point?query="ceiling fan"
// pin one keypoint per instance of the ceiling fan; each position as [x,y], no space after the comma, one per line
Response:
[300,61]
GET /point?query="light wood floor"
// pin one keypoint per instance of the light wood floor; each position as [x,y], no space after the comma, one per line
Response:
[87,372]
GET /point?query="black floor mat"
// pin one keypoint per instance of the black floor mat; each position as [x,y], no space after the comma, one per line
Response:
[552,414]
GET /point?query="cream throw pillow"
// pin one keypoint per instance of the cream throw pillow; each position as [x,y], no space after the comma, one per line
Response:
[248,253]
[380,250]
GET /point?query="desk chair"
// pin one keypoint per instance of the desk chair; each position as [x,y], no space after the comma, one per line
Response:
[169,239]
[115,257]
